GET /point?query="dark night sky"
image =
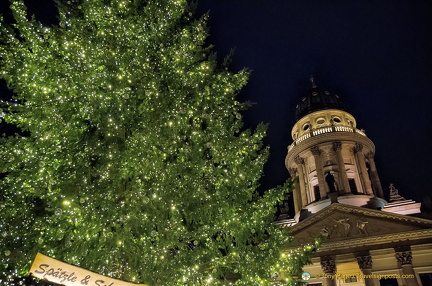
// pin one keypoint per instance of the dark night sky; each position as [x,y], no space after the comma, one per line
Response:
[375,54]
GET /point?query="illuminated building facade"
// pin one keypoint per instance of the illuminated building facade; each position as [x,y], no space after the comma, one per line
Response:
[338,195]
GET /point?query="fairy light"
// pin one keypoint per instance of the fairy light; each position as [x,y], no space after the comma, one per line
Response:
[134,153]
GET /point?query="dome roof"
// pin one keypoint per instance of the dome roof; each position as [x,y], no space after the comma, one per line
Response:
[317,99]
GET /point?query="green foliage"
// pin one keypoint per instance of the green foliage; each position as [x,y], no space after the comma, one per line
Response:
[136,165]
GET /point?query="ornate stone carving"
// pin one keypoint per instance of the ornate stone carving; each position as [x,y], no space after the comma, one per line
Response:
[328,266]
[299,160]
[325,232]
[284,210]
[358,148]
[364,262]
[316,151]
[343,225]
[404,258]
[370,155]
[394,194]
[337,146]
[361,226]
[360,211]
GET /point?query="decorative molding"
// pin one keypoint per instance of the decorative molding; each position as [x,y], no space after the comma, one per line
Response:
[299,160]
[316,151]
[370,155]
[328,266]
[323,215]
[374,240]
[337,146]
[358,148]
[404,258]
[364,262]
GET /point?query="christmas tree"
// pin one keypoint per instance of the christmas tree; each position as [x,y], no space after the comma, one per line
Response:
[132,161]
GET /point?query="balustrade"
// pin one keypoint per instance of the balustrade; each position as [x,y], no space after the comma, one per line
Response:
[323,130]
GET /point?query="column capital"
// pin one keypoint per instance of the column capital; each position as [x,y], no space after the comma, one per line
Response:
[292,171]
[358,148]
[364,262]
[370,155]
[316,151]
[328,266]
[404,257]
[299,160]
[337,146]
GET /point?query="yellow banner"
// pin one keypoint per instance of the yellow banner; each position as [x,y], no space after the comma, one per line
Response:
[59,272]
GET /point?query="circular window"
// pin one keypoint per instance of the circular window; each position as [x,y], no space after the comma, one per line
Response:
[320,120]
[306,126]
[336,119]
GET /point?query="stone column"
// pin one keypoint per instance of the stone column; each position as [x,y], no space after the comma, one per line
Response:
[328,266]
[361,164]
[316,152]
[297,191]
[404,259]
[300,163]
[365,264]
[337,147]
[376,183]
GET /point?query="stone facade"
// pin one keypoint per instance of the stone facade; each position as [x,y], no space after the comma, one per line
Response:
[338,196]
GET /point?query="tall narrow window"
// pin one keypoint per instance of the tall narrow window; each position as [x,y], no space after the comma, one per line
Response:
[389,282]
[353,186]
[317,193]
[426,278]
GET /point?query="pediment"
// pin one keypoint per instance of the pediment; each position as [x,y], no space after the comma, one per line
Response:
[340,222]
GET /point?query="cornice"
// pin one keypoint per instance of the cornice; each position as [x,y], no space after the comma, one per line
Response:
[378,239]
[323,215]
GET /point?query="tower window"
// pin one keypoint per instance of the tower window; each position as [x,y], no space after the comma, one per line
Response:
[317,193]
[320,120]
[305,127]
[353,185]
[336,119]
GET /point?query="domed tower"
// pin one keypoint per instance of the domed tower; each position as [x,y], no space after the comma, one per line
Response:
[330,158]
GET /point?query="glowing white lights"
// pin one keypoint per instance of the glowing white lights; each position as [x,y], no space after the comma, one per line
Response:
[147,174]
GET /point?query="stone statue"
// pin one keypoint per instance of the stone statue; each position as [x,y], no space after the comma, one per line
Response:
[394,194]
[346,226]
[361,226]
[330,182]
[393,190]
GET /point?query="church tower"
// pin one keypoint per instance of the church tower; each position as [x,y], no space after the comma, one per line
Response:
[338,197]
[330,158]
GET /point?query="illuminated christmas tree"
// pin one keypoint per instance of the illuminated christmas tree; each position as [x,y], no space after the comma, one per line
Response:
[133,161]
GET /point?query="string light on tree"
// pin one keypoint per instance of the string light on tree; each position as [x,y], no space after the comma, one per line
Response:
[134,162]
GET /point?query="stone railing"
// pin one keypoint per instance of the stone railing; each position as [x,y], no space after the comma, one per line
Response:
[327,129]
